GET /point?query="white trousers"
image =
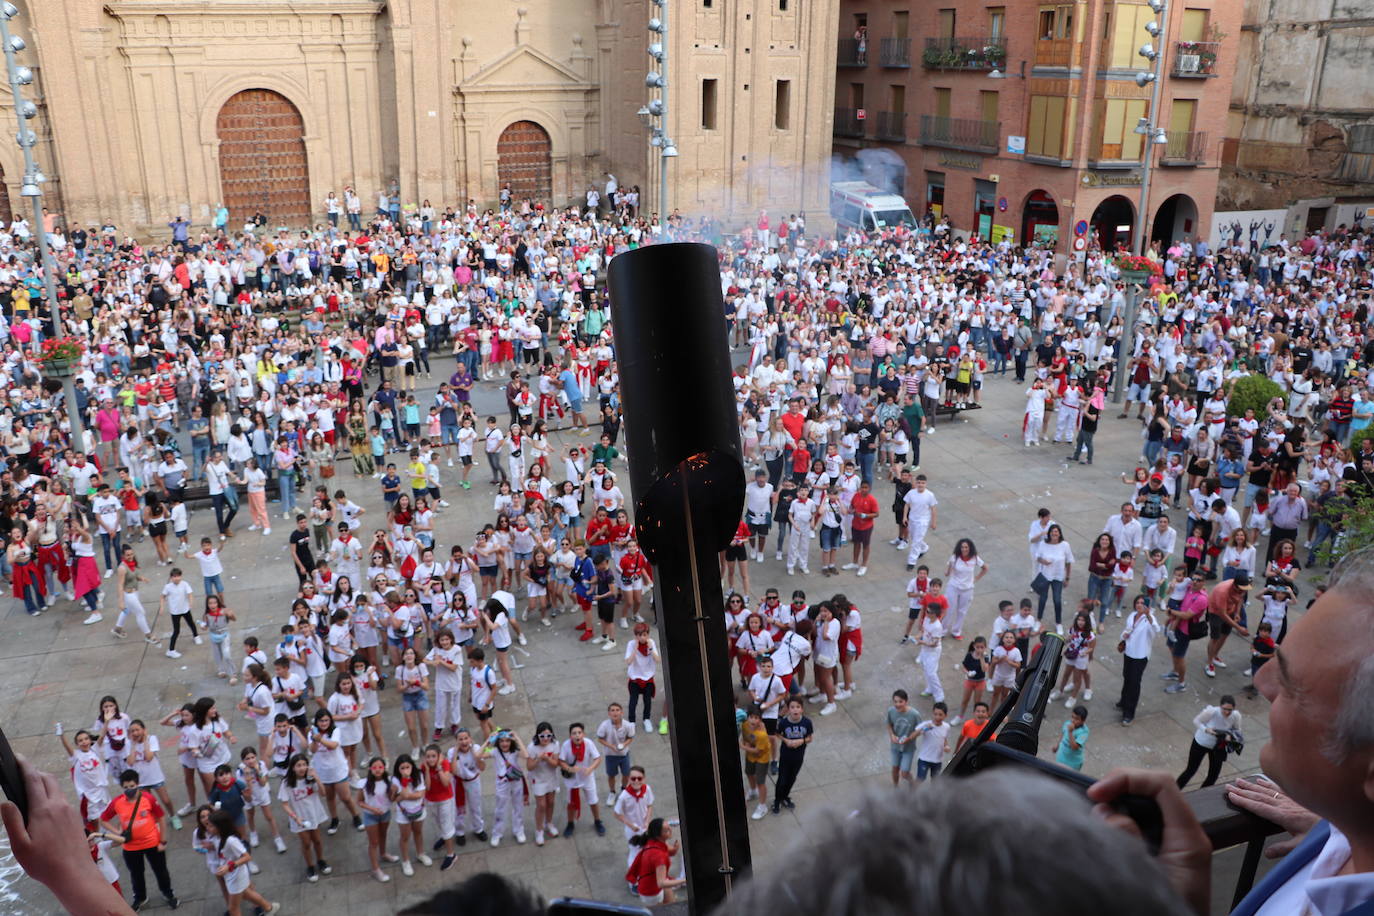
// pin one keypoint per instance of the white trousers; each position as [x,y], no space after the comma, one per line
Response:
[447,708]
[798,547]
[472,816]
[510,808]
[930,663]
[960,599]
[133,607]
[916,529]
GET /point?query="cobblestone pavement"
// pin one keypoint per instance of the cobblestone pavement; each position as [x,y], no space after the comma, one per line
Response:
[54,669]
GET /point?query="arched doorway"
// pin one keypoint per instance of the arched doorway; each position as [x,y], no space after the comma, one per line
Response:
[6,214]
[262,165]
[1113,223]
[524,158]
[1040,220]
[1175,220]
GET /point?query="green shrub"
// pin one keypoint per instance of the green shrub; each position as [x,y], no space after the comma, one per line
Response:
[1359,436]
[1253,392]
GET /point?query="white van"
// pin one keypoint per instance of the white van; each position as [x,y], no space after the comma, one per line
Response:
[862,206]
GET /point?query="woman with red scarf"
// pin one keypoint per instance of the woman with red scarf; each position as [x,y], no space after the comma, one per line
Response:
[642,657]
[27,580]
[649,871]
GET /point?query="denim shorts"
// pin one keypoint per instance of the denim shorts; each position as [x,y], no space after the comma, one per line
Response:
[830,538]
[902,755]
[372,820]
[414,702]
[617,764]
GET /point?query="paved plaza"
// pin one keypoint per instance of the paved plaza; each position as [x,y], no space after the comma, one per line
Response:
[989,488]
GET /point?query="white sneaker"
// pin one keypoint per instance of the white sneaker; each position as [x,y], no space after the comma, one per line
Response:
[1088,693]
[253,839]
[1059,629]
[827,709]
[507,690]
[791,571]
[648,726]
[624,623]
[253,868]
[407,869]
[778,556]
[846,694]
[1054,694]
[760,812]
[523,641]
[279,843]
[863,570]
[598,638]
[286,516]
[266,532]
[903,545]
[94,617]
[1219,663]
[383,877]
[253,527]
[173,653]
[895,541]
[608,645]
[444,503]
[805,571]
[758,557]
[751,795]
[520,837]
[450,462]
[539,838]
[108,573]
[1068,704]
[197,640]
[850,566]
[495,841]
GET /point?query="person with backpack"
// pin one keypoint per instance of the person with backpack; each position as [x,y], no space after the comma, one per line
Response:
[648,872]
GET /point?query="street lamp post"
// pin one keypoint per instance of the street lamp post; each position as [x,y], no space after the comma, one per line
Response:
[24,111]
[658,108]
[1153,135]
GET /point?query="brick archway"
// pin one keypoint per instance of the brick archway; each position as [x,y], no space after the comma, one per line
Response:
[524,157]
[262,163]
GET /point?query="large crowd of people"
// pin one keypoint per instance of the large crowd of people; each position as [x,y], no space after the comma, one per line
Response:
[243,366]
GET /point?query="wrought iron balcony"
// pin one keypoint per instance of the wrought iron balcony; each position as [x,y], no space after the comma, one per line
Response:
[1185,147]
[964,53]
[895,52]
[848,123]
[1195,59]
[890,125]
[960,133]
[852,53]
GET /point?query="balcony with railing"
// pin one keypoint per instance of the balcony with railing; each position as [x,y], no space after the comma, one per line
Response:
[1184,147]
[964,53]
[852,53]
[890,125]
[895,52]
[1195,59]
[848,123]
[960,133]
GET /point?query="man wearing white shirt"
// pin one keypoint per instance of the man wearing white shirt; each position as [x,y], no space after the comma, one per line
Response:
[1125,530]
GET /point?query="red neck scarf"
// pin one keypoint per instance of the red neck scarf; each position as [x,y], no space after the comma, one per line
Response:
[575,794]
[644,647]
[639,793]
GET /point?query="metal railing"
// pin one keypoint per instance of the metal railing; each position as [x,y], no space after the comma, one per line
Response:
[890,125]
[964,53]
[1195,59]
[895,52]
[1185,147]
[848,123]
[960,133]
[852,53]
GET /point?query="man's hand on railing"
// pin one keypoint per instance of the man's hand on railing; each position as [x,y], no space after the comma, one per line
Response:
[1264,798]
[1185,853]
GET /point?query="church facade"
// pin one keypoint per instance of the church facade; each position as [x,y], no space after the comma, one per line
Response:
[149,109]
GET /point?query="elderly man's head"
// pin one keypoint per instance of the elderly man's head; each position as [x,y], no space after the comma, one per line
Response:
[1321,747]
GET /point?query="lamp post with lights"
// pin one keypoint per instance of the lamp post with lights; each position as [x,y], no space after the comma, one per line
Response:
[657,108]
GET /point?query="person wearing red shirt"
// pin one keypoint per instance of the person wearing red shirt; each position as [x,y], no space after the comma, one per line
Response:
[600,531]
[649,871]
[863,508]
[635,576]
[794,421]
[439,792]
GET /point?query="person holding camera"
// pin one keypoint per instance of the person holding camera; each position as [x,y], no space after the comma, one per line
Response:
[1217,728]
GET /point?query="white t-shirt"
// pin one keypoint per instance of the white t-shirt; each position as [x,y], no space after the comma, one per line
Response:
[764,689]
[930,743]
[444,679]
[178,595]
[919,503]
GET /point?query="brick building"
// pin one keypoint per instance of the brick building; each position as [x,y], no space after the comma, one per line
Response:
[1019,118]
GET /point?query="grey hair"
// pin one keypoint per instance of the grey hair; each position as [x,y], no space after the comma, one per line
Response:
[1352,728]
[959,846]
